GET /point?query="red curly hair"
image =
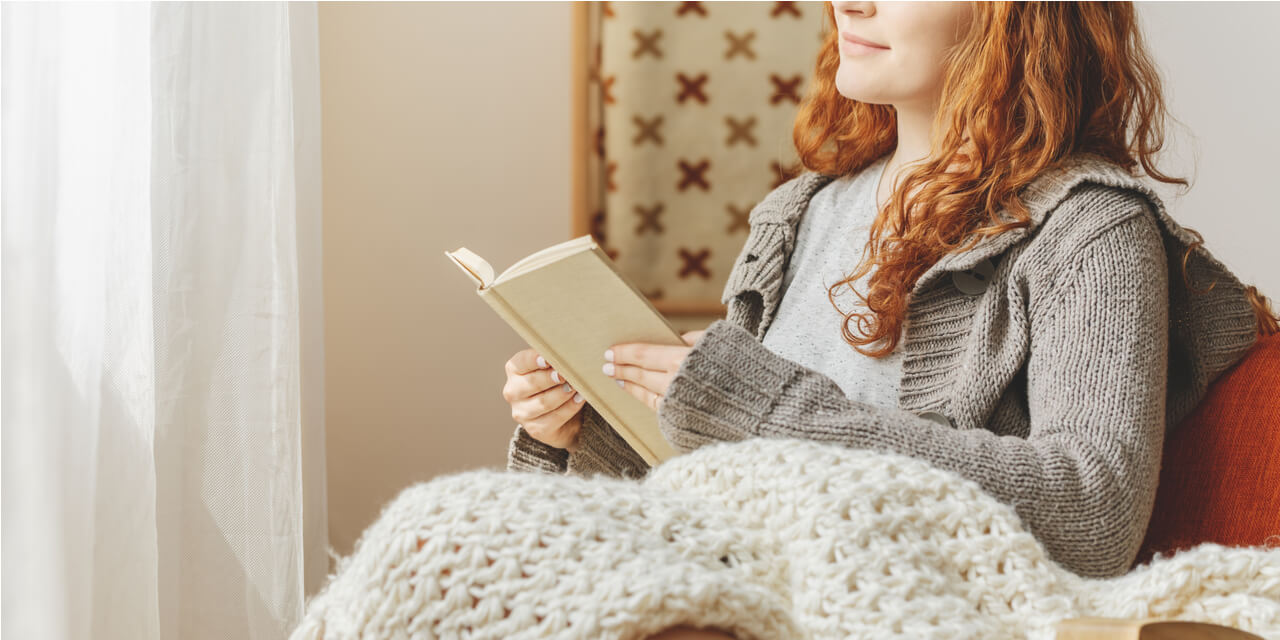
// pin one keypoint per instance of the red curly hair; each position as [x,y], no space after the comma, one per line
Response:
[1028,85]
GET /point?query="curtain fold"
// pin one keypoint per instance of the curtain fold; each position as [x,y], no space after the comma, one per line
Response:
[163,435]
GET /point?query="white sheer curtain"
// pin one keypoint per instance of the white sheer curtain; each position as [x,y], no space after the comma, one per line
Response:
[163,435]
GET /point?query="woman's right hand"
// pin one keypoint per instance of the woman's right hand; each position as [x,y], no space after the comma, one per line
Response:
[541,401]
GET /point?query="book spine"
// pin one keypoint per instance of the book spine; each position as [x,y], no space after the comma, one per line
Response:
[504,310]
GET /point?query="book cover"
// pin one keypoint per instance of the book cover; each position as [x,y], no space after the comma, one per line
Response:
[569,302]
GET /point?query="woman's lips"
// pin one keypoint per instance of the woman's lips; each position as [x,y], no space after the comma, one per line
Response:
[854,45]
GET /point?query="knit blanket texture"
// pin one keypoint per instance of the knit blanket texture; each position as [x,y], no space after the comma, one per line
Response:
[764,539]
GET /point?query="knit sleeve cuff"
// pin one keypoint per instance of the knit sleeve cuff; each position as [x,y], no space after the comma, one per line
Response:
[524,453]
[726,387]
[600,450]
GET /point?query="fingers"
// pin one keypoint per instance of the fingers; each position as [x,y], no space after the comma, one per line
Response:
[645,370]
[520,387]
[537,376]
[649,398]
[655,381]
[542,402]
[537,405]
[658,357]
[524,362]
[558,427]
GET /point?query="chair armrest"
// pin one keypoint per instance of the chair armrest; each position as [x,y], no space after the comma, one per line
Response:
[1146,629]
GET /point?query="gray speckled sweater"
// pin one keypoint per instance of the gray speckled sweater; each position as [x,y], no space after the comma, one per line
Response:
[806,328]
[1046,363]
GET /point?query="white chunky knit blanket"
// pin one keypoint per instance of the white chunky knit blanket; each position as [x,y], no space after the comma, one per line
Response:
[761,538]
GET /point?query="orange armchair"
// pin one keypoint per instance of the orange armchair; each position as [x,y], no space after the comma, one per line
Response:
[1220,475]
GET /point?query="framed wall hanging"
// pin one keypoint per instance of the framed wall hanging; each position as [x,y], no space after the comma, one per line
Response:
[682,122]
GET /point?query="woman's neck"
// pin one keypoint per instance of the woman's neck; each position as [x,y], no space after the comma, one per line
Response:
[915,122]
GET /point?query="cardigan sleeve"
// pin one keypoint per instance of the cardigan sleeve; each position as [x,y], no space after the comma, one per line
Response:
[524,453]
[1084,479]
[600,450]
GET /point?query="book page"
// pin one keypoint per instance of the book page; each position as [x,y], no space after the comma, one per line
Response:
[473,265]
[550,254]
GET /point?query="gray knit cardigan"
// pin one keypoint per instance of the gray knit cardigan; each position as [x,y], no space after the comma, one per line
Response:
[1046,363]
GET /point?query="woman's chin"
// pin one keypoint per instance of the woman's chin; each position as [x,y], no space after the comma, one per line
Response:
[858,91]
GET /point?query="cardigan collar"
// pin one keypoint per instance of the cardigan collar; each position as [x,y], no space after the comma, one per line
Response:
[789,202]
[1209,329]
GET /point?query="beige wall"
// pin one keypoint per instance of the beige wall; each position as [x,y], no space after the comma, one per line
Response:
[445,125]
[1224,95]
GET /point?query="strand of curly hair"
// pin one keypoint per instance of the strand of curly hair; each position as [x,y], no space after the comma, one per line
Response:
[1029,84]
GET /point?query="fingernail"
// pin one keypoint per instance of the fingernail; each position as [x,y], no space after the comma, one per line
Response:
[577,397]
[542,364]
[620,383]
[608,368]
[567,388]
[608,355]
[555,376]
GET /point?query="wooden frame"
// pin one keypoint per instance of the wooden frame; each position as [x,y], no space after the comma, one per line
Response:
[579,137]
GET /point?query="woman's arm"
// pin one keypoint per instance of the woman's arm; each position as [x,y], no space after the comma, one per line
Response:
[599,450]
[1084,479]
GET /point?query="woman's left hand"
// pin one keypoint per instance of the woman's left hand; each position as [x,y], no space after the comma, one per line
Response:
[645,369]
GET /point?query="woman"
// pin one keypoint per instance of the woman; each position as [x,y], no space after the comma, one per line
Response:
[1028,317]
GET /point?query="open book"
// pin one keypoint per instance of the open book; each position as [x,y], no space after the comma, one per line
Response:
[570,303]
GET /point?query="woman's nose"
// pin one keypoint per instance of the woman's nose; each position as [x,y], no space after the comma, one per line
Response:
[863,8]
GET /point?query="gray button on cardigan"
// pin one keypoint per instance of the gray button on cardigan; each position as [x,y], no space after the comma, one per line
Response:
[1052,389]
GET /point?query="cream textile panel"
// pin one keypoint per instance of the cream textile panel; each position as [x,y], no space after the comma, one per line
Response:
[697,101]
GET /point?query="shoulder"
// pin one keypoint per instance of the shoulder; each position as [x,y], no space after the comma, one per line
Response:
[1090,203]
[1086,193]
[1091,210]
[1097,235]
